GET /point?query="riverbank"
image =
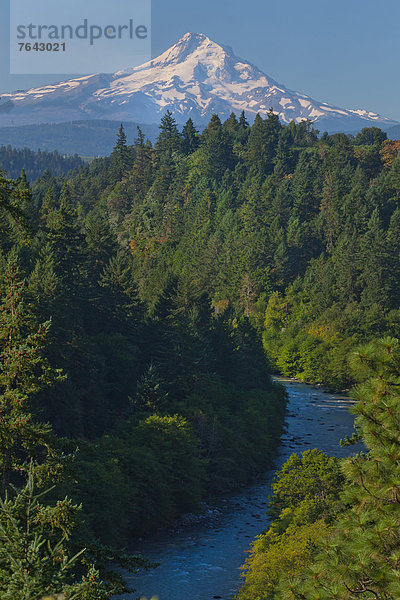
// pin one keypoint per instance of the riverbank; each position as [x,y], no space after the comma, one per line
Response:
[318,386]
[202,561]
[209,510]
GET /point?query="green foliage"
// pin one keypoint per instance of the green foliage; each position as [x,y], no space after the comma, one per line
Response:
[24,372]
[190,139]
[361,556]
[140,477]
[370,135]
[35,554]
[312,477]
[160,268]
[149,393]
[121,157]
[169,139]
[275,555]
[34,164]
[303,503]
[353,551]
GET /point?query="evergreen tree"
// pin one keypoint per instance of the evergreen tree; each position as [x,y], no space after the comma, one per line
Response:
[284,161]
[69,250]
[24,372]
[360,559]
[231,125]
[261,147]
[101,241]
[35,554]
[375,263]
[243,132]
[121,158]
[393,246]
[190,138]
[243,121]
[142,172]
[121,303]
[43,283]
[150,396]
[13,221]
[305,202]
[216,150]
[169,139]
[33,165]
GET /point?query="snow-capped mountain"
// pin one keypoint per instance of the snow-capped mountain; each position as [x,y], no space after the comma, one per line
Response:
[194,78]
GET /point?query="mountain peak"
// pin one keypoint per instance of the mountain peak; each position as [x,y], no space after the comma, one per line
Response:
[195,78]
[186,46]
[195,38]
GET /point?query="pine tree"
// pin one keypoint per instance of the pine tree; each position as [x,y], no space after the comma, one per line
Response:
[243,121]
[231,125]
[35,555]
[43,283]
[393,244]
[23,182]
[121,157]
[120,302]
[48,206]
[284,163]
[69,251]
[24,371]
[243,132]
[169,139]
[214,124]
[150,396]
[262,143]
[329,212]
[361,558]
[14,222]
[374,258]
[216,150]
[142,172]
[101,240]
[305,202]
[190,138]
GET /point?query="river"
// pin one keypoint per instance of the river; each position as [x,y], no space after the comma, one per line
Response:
[202,561]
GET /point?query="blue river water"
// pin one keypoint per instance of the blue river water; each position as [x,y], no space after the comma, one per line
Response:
[202,561]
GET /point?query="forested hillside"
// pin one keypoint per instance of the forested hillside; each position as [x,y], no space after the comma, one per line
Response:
[13,161]
[134,296]
[295,233]
[85,138]
[167,399]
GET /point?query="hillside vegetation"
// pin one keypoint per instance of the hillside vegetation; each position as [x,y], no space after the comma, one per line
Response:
[35,164]
[335,533]
[296,233]
[134,294]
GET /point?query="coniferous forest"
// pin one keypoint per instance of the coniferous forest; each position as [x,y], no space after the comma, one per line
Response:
[13,162]
[144,301]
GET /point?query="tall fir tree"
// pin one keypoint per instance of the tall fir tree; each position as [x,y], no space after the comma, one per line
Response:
[169,139]
[121,159]
[190,138]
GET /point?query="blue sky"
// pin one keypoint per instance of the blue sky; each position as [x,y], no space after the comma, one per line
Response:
[345,52]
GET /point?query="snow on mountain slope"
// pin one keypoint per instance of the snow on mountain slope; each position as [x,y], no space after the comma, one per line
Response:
[194,78]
